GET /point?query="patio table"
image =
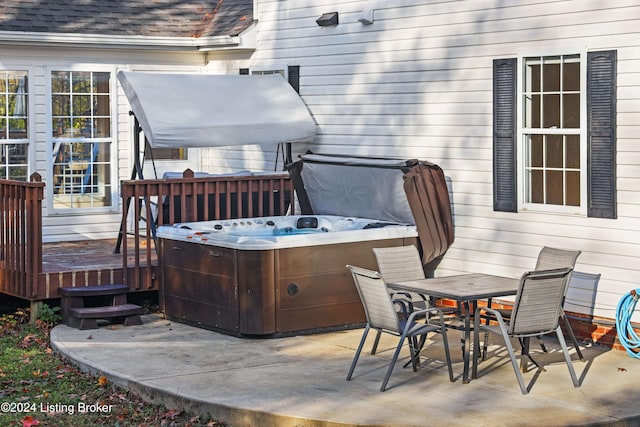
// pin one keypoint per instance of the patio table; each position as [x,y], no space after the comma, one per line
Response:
[466,289]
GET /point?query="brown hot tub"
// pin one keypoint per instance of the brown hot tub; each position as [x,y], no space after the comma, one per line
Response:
[280,275]
[274,275]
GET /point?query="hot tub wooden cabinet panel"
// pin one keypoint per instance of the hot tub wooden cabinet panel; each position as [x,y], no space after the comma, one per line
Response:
[265,292]
[199,285]
[314,288]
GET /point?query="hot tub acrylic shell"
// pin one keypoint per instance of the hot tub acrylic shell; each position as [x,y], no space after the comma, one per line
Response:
[267,276]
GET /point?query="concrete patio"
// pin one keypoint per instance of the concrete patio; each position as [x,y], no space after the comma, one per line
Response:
[300,381]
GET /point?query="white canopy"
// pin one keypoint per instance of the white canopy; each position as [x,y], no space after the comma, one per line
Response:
[203,110]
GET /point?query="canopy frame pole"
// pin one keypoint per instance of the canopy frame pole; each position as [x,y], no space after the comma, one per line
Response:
[136,171]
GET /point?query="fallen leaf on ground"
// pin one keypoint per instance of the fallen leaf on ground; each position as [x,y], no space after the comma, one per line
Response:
[29,421]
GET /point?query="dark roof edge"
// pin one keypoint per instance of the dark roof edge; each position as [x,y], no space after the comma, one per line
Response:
[243,41]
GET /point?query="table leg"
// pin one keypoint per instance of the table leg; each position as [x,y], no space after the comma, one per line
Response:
[466,347]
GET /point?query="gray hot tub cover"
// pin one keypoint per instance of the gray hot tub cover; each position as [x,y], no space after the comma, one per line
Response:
[405,191]
[204,110]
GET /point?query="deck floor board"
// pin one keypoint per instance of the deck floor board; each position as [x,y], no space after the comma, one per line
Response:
[88,255]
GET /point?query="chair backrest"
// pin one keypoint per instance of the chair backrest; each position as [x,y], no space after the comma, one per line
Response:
[399,263]
[539,301]
[550,258]
[374,295]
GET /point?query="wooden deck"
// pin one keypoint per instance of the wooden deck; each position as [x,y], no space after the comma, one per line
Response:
[87,255]
[36,271]
[89,263]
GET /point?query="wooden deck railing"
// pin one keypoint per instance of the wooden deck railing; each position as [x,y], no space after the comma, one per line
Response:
[148,204]
[21,236]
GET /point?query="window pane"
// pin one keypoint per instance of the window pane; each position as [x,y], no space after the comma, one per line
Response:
[571,111]
[551,75]
[551,110]
[82,128]
[555,187]
[537,187]
[536,151]
[81,82]
[571,74]
[60,105]
[573,188]
[17,128]
[555,151]
[573,151]
[62,127]
[166,153]
[81,105]
[532,75]
[60,82]
[102,128]
[101,82]
[532,111]
[101,105]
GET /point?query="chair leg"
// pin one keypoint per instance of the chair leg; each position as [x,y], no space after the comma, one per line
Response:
[374,348]
[445,342]
[394,359]
[572,336]
[476,346]
[567,357]
[507,342]
[514,362]
[357,355]
[414,353]
[418,345]
[525,343]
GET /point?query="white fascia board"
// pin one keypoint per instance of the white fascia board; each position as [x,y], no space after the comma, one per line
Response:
[118,42]
[247,40]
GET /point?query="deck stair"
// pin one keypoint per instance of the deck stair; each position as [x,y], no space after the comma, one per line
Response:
[82,306]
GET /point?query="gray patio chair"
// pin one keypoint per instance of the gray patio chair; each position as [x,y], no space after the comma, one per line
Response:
[382,316]
[403,263]
[550,258]
[536,312]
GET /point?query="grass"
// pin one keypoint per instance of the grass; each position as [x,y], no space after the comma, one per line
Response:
[38,388]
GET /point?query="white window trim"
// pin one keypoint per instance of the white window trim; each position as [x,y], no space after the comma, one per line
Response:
[113,155]
[521,152]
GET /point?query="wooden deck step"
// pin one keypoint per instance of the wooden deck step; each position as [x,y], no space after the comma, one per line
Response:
[82,306]
[85,317]
[100,290]
[105,312]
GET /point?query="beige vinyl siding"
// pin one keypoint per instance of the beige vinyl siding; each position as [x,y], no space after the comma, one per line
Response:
[417,83]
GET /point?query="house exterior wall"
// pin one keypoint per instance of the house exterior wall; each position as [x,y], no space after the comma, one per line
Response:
[417,83]
[79,224]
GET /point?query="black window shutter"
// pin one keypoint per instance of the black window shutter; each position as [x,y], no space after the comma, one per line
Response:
[293,72]
[504,135]
[601,134]
[243,71]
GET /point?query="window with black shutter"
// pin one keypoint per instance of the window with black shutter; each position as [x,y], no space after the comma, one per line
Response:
[567,163]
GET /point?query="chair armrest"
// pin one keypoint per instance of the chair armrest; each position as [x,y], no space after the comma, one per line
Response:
[406,307]
[493,312]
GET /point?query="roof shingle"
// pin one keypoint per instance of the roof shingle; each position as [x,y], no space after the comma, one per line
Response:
[159,18]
